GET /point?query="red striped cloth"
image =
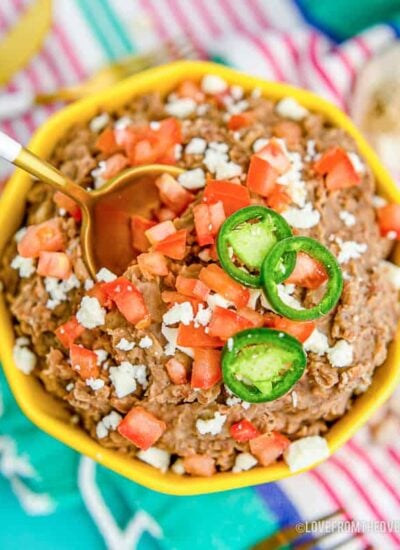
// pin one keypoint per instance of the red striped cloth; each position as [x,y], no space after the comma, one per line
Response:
[268,39]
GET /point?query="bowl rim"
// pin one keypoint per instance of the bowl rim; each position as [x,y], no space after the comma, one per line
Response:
[26,394]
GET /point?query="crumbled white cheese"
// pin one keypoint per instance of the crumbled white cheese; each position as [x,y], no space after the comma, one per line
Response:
[178,151]
[350,250]
[285,294]
[196,146]
[213,84]
[212,426]
[25,266]
[95,383]
[295,398]
[155,125]
[393,273]
[305,452]
[90,313]
[391,235]
[288,107]
[70,386]
[347,218]
[378,201]
[58,290]
[192,179]
[310,150]
[107,423]
[178,467]
[217,162]
[236,92]
[24,358]
[255,294]
[202,109]
[125,345]
[317,342]
[302,218]
[244,462]
[88,284]
[357,163]
[22,341]
[232,400]
[239,107]
[341,354]
[179,313]
[158,458]
[203,316]
[292,179]
[99,122]
[181,108]
[105,275]
[98,174]
[125,378]
[145,342]
[214,299]
[122,123]
[259,144]
[256,93]
[229,344]
[102,355]
[20,234]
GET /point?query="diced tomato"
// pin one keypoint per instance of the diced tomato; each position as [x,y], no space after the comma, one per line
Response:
[63,201]
[114,165]
[389,219]
[153,263]
[171,297]
[139,226]
[265,167]
[278,199]
[289,131]
[202,222]
[161,231]
[217,215]
[213,252]
[199,465]
[44,237]
[144,152]
[299,329]
[196,337]
[99,292]
[106,142]
[176,371]
[54,264]
[191,89]
[128,299]
[232,195]
[257,319]
[217,280]
[206,370]
[84,362]
[243,431]
[68,332]
[192,287]
[141,427]
[172,194]
[241,120]
[267,448]
[307,273]
[337,168]
[164,214]
[225,323]
[173,246]
[274,154]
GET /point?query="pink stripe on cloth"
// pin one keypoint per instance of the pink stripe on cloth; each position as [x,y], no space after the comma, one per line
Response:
[68,50]
[157,20]
[379,474]
[363,46]
[232,16]
[268,55]
[258,13]
[320,70]
[194,34]
[364,496]
[209,20]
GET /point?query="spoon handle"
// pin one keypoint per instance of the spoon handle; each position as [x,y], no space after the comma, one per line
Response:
[14,152]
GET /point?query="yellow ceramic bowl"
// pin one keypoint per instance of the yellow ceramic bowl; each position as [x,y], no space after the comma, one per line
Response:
[46,412]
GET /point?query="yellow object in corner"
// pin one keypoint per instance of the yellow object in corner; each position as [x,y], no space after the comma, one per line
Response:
[24,39]
[46,412]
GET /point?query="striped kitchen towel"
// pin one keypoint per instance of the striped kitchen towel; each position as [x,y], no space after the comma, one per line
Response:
[299,42]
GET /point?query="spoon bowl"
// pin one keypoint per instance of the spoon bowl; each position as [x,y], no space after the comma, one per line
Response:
[106,236]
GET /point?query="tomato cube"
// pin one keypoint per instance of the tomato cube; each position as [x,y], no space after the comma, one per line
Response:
[64,202]
[225,323]
[173,246]
[128,299]
[268,447]
[337,168]
[307,273]
[141,427]
[193,336]
[206,370]
[299,329]
[44,237]
[172,194]
[84,362]
[232,195]
[176,371]
[114,165]
[69,331]
[217,280]
[139,226]
[54,264]
[199,465]
[192,287]
[161,231]
[243,431]
[389,219]
[153,263]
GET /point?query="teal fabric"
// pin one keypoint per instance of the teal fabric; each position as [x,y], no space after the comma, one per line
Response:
[211,521]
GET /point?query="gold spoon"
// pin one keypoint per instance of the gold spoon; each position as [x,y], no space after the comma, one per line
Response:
[105,232]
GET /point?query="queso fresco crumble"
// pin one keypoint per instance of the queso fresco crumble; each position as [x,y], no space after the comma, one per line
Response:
[261,300]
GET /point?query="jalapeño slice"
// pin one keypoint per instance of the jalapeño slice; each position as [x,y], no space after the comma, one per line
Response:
[318,252]
[262,364]
[244,240]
